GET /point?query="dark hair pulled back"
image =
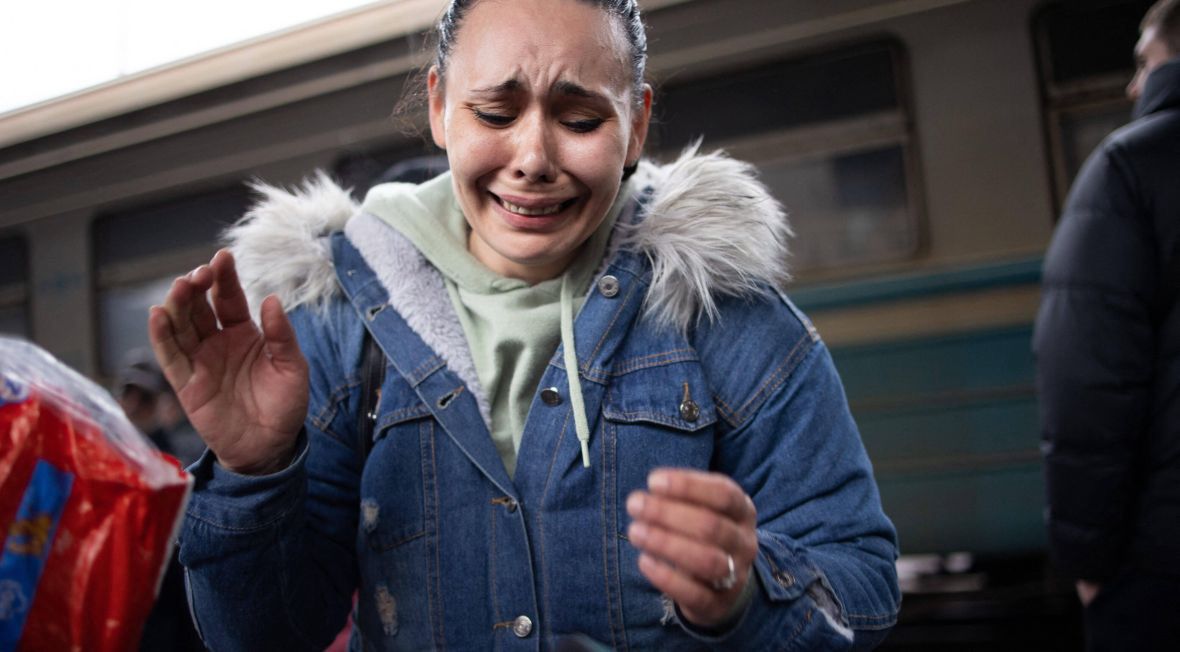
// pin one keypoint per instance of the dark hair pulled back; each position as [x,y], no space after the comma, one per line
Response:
[627,12]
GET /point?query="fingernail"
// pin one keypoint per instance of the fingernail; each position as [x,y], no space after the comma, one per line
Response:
[637,533]
[635,503]
[646,562]
[657,480]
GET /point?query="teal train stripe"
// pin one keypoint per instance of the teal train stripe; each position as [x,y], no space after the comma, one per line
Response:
[26,547]
[912,285]
[950,424]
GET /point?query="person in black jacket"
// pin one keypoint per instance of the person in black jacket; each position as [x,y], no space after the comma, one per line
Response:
[1107,344]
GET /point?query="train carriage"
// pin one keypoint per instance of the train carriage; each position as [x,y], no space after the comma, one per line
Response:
[922,148]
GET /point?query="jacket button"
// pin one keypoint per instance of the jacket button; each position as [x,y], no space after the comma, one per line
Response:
[784,579]
[608,285]
[510,506]
[550,396]
[689,410]
[522,626]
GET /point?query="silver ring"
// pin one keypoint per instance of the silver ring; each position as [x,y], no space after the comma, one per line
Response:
[730,580]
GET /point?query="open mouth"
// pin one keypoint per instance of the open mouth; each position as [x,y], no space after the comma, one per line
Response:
[534,211]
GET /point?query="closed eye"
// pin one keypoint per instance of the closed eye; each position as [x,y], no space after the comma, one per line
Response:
[583,126]
[493,119]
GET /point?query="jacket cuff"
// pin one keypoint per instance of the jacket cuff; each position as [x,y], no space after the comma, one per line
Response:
[732,620]
[242,503]
[790,592]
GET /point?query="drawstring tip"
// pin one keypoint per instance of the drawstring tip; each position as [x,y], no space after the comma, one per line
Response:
[585,454]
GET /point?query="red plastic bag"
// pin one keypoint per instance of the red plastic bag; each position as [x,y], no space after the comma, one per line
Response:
[88,507]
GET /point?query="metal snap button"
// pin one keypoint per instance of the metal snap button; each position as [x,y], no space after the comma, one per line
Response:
[522,626]
[550,396]
[689,410]
[784,578]
[510,506]
[608,285]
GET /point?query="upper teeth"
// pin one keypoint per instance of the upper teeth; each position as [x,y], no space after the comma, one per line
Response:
[521,210]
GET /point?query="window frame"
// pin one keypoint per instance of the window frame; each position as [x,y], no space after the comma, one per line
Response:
[18,294]
[1093,94]
[158,265]
[826,139]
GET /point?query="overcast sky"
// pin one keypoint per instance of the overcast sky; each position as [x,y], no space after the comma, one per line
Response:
[50,48]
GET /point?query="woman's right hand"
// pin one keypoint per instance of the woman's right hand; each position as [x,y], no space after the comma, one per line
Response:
[244,389]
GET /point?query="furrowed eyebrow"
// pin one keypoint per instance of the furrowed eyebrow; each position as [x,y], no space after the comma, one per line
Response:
[566,88]
[570,88]
[508,86]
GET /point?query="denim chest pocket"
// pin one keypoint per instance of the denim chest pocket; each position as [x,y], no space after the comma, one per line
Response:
[393,509]
[673,395]
[660,415]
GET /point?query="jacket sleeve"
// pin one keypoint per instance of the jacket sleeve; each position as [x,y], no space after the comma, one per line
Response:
[1095,352]
[826,563]
[270,560]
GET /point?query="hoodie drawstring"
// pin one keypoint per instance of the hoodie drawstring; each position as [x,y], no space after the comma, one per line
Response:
[570,355]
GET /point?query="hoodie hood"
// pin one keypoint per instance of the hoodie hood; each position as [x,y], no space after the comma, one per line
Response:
[709,228]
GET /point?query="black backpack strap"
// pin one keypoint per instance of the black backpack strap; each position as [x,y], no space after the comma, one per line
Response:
[372,375]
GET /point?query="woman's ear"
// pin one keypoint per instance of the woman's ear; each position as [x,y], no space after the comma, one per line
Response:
[436,107]
[639,124]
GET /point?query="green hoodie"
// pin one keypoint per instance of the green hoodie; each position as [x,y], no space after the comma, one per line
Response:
[512,327]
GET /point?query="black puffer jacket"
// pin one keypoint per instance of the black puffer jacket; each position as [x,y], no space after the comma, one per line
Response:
[1107,343]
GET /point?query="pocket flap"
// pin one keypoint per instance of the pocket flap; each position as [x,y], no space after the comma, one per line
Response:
[397,404]
[673,395]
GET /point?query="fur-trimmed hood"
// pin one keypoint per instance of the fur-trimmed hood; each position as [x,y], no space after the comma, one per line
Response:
[711,230]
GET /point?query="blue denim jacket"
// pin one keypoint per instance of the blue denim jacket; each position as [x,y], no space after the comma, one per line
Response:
[444,550]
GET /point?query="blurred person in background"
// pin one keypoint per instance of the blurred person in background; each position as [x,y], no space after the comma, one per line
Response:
[151,406]
[138,386]
[1107,344]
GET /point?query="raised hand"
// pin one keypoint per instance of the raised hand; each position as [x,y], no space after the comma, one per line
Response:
[690,525]
[244,389]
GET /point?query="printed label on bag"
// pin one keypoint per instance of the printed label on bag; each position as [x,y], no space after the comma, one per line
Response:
[12,391]
[26,546]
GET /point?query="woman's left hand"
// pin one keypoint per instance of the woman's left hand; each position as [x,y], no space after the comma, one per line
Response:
[688,526]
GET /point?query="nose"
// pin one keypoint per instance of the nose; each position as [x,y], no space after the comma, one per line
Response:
[535,154]
[1136,86]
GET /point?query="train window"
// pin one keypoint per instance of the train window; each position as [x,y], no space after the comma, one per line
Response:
[832,137]
[1085,60]
[137,254]
[14,280]
[412,162]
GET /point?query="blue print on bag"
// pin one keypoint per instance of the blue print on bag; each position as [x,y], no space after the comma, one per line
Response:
[12,391]
[26,547]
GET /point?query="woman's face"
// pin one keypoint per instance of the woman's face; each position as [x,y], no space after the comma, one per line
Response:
[537,116]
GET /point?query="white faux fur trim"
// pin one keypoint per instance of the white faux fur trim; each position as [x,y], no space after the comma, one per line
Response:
[281,247]
[712,230]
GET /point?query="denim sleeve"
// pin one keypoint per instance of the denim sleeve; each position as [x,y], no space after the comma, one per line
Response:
[825,567]
[270,560]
